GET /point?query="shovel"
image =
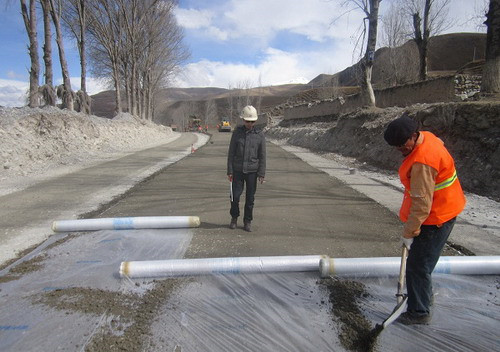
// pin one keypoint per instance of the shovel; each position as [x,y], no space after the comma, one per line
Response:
[401,298]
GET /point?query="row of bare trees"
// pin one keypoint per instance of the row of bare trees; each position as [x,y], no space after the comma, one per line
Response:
[135,45]
[418,20]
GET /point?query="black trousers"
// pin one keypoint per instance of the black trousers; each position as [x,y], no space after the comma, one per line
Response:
[422,258]
[239,181]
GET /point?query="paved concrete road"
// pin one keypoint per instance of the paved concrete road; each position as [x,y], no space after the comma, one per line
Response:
[26,216]
[298,210]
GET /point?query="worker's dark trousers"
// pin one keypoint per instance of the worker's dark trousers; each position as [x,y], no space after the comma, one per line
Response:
[422,258]
[239,181]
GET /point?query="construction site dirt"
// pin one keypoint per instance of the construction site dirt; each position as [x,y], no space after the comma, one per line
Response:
[68,286]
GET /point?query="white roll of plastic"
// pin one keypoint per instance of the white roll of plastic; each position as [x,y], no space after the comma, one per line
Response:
[126,223]
[367,267]
[388,266]
[207,266]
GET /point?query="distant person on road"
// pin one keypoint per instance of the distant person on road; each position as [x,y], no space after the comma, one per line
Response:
[432,199]
[246,163]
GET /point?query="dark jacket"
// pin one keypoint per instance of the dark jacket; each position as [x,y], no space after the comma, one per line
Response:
[247,152]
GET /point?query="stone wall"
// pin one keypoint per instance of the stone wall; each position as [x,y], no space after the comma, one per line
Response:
[443,89]
[467,85]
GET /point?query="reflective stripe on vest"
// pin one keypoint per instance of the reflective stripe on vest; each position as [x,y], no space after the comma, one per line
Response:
[446,183]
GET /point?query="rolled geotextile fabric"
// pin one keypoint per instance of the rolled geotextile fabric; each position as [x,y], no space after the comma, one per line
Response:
[385,266]
[204,266]
[126,223]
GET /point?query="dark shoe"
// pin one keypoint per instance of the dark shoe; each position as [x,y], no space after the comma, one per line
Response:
[232,224]
[246,226]
[409,318]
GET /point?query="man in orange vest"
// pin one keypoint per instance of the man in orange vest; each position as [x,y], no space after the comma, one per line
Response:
[432,199]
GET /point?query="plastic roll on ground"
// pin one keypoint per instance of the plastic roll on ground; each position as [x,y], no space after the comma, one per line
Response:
[388,266]
[126,223]
[206,266]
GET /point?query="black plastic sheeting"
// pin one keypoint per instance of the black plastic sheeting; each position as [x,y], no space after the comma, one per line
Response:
[253,312]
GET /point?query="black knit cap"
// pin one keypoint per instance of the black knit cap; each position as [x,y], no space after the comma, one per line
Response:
[400,130]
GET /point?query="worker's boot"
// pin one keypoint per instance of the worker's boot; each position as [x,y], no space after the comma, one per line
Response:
[246,226]
[232,224]
[408,318]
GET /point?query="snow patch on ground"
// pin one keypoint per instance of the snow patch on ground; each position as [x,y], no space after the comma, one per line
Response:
[37,144]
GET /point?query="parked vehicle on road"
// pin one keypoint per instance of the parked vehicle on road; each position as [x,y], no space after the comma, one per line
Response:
[225,126]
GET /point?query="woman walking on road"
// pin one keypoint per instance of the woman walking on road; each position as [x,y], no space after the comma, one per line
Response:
[246,163]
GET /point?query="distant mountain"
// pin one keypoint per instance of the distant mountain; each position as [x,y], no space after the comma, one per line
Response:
[447,54]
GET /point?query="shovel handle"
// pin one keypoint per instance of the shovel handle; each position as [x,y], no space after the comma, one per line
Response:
[402,273]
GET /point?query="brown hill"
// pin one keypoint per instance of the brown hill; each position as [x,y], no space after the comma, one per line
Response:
[447,54]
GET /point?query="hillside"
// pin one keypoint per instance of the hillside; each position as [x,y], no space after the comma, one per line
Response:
[470,130]
[447,53]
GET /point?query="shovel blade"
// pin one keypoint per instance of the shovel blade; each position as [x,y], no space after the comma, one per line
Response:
[395,313]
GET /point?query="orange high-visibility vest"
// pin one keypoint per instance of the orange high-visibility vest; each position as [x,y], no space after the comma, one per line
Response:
[448,200]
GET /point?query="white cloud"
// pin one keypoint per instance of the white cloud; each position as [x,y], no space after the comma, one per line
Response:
[12,92]
[94,85]
[257,22]
[316,20]
[193,19]
[200,20]
[14,76]
[276,67]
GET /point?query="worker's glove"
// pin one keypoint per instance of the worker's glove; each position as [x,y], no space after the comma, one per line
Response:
[406,242]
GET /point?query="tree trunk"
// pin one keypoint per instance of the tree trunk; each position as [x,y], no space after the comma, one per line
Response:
[118,98]
[30,24]
[83,59]
[48,91]
[68,93]
[422,38]
[491,70]
[368,95]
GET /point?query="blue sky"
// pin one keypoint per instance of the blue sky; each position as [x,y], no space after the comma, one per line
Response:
[232,43]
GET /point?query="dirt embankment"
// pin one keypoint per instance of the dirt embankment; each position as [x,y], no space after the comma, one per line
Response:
[471,132]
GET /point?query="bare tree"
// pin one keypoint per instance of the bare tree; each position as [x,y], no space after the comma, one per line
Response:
[65,92]
[243,97]
[395,32]
[105,29]
[140,44]
[30,23]
[162,52]
[75,19]
[210,111]
[491,70]
[394,27]
[230,103]
[433,22]
[370,9]
[47,90]
[480,11]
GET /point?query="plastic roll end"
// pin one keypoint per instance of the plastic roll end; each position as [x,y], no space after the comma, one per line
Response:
[194,221]
[325,267]
[124,269]
[54,226]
